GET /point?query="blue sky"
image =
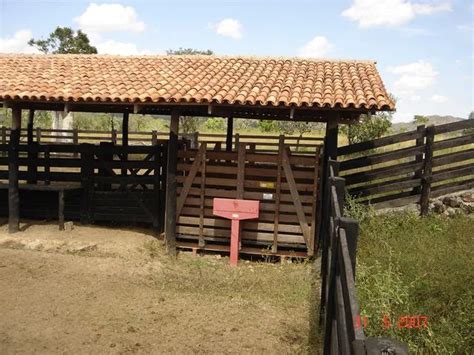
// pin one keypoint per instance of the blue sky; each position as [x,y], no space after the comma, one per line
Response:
[424,49]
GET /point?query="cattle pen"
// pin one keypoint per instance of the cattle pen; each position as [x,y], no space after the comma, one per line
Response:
[170,184]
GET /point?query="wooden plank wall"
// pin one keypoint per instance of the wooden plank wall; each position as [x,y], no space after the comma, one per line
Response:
[286,184]
[411,166]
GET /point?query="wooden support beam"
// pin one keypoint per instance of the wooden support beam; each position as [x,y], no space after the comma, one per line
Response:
[125,121]
[170,217]
[229,135]
[13,193]
[31,116]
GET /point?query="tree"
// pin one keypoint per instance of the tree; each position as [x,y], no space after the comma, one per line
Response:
[189,124]
[64,40]
[369,127]
[420,120]
[471,115]
[188,51]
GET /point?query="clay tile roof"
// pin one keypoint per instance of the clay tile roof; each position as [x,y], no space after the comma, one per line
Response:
[200,79]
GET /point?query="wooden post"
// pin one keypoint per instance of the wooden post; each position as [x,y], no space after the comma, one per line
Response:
[154,137]
[3,136]
[125,123]
[427,168]
[195,142]
[202,192]
[32,158]
[61,209]
[276,221]
[114,137]
[352,232]
[87,182]
[75,141]
[237,141]
[230,132]
[420,141]
[156,187]
[31,115]
[171,186]
[13,192]
[38,135]
[240,170]
[47,165]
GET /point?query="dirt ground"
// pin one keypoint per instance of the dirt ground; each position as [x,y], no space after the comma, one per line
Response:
[104,290]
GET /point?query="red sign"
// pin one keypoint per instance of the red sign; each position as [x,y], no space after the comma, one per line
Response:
[236,210]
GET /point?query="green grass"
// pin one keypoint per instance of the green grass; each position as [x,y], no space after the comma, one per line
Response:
[409,265]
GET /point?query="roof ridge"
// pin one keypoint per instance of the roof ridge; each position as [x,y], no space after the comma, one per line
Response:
[200,56]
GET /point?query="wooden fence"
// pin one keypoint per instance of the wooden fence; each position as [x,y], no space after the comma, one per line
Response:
[286,184]
[116,183]
[412,166]
[259,142]
[339,308]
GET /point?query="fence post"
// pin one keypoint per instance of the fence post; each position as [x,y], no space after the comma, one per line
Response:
[38,135]
[237,141]
[352,232]
[154,137]
[420,141]
[114,137]
[75,140]
[3,136]
[87,183]
[427,168]
[195,141]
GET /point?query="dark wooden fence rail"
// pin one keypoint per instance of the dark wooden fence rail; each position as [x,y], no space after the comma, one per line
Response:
[261,143]
[412,166]
[339,308]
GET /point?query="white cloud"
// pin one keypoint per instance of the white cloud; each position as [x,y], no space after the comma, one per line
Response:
[109,18]
[412,77]
[439,99]
[319,46]
[119,48]
[228,27]
[18,43]
[390,13]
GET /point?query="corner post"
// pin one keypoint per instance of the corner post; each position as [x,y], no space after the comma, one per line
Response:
[229,135]
[171,186]
[13,192]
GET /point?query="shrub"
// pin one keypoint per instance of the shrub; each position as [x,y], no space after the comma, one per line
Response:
[215,124]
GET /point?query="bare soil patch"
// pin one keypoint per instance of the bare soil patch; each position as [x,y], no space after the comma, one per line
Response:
[103,290]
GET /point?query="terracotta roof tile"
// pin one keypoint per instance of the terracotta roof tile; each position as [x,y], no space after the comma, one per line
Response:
[200,79]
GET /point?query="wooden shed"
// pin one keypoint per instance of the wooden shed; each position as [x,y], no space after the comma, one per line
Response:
[171,183]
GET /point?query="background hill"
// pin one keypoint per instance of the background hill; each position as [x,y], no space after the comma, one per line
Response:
[432,120]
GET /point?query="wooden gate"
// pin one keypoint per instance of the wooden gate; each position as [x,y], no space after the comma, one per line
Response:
[285,183]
